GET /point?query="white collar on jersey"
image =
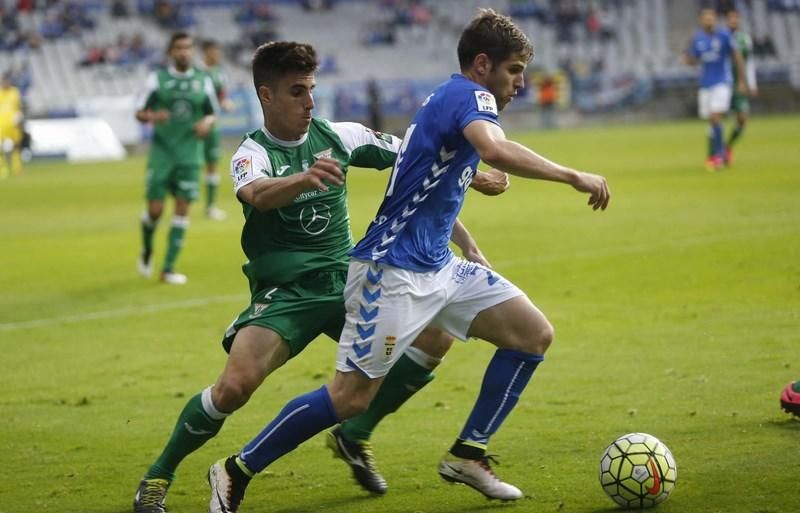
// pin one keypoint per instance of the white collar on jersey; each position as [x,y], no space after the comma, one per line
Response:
[175,73]
[281,142]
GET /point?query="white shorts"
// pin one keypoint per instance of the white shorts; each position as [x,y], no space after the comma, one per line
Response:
[714,100]
[388,307]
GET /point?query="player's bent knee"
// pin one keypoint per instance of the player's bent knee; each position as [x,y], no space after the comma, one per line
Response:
[536,340]
[231,393]
[544,338]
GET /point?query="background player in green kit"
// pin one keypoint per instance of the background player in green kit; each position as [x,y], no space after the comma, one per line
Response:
[180,102]
[212,58]
[740,103]
[290,178]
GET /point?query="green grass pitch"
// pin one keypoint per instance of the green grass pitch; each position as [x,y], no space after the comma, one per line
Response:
[677,313]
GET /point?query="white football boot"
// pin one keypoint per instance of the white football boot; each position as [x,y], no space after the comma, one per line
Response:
[144,267]
[479,475]
[174,278]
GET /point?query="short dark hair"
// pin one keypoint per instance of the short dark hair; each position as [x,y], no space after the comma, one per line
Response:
[208,44]
[277,58]
[175,37]
[495,35]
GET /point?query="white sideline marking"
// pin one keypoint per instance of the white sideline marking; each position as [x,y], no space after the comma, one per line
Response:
[120,312]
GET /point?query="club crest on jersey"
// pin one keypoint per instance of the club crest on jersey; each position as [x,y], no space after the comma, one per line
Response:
[380,135]
[241,167]
[324,154]
[485,102]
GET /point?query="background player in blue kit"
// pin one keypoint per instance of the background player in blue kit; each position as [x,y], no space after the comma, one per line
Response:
[714,49]
[403,276]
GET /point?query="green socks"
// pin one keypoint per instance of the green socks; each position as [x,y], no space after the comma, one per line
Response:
[212,182]
[148,229]
[198,423]
[175,241]
[737,131]
[404,380]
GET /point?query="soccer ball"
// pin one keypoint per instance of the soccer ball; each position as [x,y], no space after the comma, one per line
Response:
[638,471]
[790,398]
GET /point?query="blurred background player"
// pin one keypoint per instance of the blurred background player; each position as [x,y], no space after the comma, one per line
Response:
[740,103]
[10,127]
[715,49]
[180,101]
[212,60]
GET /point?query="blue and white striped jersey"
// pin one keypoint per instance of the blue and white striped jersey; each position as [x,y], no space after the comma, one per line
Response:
[432,172]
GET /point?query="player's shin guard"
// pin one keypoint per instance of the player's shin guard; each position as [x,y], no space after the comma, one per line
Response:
[301,418]
[506,377]
[198,423]
[175,241]
[407,377]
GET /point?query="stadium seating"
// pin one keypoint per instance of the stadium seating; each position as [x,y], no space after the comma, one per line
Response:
[639,41]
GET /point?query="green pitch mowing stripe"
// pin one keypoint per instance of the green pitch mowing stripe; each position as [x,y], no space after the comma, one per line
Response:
[131,311]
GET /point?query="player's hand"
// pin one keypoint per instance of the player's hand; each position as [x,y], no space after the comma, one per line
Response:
[753,93]
[324,171]
[203,127]
[159,116]
[491,183]
[596,186]
[741,87]
[474,254]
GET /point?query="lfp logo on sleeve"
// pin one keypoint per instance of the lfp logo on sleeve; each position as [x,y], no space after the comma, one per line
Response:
[485,102]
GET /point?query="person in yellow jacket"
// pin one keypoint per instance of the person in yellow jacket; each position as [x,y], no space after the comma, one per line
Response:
[10,127]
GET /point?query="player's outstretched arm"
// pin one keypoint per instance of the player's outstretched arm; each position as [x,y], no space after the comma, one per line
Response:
[490,183]
[203,126]
[152,116]
[490,142]
[268,194]
[469,248]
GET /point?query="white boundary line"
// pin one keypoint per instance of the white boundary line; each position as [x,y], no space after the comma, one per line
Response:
[120,312]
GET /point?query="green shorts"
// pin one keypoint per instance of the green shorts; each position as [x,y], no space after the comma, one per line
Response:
[299,311]
[740,103]
[180,180]
[211,147]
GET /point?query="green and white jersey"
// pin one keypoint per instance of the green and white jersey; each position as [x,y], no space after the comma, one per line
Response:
[745,46]
[313,232]
[188,97]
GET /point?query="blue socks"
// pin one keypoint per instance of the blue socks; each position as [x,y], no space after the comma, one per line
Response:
[301,418]
[717,142]
[506,377]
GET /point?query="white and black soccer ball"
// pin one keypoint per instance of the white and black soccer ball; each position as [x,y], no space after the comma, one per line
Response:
[638,471]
